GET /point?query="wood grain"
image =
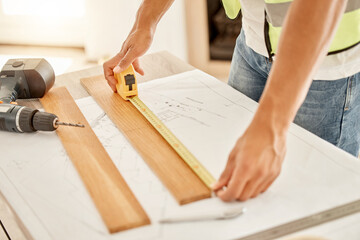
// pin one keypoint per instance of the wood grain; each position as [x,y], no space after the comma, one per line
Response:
[114,200]
[155,65]
[174,173]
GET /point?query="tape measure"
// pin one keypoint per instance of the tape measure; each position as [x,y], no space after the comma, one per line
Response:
[127,89]
[174,142]
[306,222]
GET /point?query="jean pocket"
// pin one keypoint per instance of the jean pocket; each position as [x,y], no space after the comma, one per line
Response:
[311,117]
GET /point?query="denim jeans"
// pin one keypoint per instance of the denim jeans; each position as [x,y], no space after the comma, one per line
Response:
[331,109]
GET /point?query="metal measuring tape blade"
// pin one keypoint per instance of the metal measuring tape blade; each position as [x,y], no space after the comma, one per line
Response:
[174,142]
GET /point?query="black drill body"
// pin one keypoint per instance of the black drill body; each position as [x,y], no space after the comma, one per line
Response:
[22,79]
[25,78]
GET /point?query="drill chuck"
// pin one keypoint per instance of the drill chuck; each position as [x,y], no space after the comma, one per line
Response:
[23,119]
[44,121]
[14,118]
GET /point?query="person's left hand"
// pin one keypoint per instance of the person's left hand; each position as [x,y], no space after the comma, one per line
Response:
[253,164]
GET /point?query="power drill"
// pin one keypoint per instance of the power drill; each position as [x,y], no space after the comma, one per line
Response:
[26,78]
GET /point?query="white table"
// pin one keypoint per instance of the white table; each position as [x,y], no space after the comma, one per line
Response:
[160,65]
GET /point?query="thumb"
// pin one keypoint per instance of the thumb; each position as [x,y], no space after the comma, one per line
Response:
[224,178]
[125,62]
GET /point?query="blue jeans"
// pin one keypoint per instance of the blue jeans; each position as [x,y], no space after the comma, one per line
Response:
[331,109]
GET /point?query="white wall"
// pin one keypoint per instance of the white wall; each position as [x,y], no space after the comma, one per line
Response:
[42,22]
[108,23]
[101,30]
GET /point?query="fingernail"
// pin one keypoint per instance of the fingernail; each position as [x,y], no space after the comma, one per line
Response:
[214,185]
[116,69]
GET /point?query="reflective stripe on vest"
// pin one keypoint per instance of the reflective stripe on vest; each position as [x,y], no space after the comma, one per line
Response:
[346,36]
[232,8]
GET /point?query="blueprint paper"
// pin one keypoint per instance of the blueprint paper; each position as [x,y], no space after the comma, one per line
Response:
[208,116]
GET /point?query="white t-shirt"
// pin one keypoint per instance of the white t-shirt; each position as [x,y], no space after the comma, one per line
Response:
[334,67]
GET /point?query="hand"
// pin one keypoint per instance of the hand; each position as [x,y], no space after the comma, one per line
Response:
[253,165]
[136,44]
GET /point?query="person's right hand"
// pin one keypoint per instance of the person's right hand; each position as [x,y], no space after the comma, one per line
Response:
[136,44]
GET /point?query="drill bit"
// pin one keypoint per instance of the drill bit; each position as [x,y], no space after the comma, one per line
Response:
[69,124]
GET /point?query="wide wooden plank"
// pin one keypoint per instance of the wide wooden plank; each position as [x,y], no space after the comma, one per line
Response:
[174,173]
[114,200]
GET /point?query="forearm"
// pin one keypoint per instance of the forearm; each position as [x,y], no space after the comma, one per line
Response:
[150,13]
[304,42]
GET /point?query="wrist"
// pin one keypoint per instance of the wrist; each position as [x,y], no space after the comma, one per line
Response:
[272,115]
[264,133]
[146,25]
[148,17]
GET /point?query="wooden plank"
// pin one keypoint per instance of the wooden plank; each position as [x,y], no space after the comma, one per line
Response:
[174,173]
[155,65]
[117,205]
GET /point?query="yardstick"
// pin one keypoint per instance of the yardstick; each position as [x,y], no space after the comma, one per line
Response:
[127,89]
[306,222]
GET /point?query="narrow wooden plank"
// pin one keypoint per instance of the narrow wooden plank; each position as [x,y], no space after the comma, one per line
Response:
[117,205]
[174,173]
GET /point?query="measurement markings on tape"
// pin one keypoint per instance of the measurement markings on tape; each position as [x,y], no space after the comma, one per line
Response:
[175,143]
[306,222]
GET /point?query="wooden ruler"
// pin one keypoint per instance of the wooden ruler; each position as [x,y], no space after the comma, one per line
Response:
[117,205]
[174,173]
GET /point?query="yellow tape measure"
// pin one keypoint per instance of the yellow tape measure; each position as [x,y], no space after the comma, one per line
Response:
[174,142]
[127,89]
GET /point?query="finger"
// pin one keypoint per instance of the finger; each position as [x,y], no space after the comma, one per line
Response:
[113,62]
[232,192]
[264,185]
[107,70]
[125,62]
[108,67]
[275,173]
[112,84]
[267,185]
[261,186]
[109,76]
[260,176]
[249,189]
[226,174]
[236,185]
[137,67]
[224,178]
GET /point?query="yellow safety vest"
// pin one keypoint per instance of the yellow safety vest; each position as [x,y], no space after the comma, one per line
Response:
[232,8]
[346,36]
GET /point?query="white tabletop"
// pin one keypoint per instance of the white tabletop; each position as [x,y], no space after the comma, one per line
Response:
[48,196]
